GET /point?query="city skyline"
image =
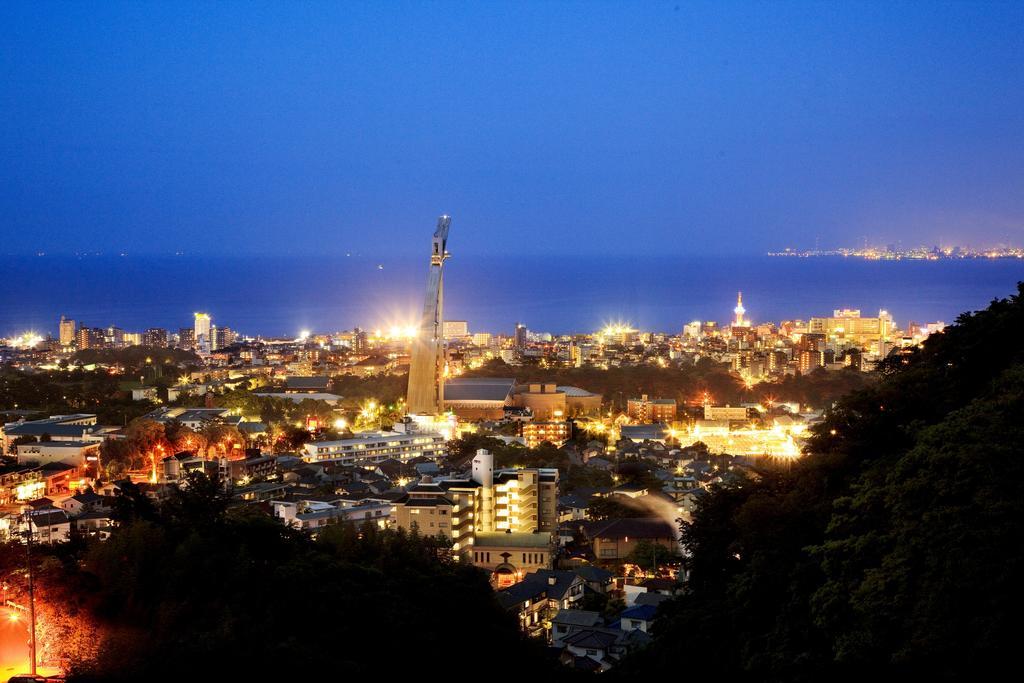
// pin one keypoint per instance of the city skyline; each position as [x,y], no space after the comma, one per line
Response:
[686,128]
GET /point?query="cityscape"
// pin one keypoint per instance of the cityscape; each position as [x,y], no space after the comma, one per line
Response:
[892,253]
[269,412]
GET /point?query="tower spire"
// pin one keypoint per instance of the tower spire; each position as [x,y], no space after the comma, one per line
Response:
[739,310]
[426,370]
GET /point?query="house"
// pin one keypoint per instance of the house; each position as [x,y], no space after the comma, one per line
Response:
[650,598]
[540,595]
[49,525]
[81,503]
[657,586]
[95,523]
[572,507]
[638,617]
[567,621]
[599,649]
[616,539]
[595,578]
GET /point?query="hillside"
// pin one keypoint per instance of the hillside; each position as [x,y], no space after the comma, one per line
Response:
[894,546]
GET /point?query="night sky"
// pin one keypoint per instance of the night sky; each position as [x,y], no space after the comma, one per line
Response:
[546,128]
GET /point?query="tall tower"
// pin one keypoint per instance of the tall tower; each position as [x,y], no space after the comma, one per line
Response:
[426,380]
[739,310]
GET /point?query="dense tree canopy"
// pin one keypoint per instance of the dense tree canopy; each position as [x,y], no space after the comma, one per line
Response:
[893,546]
[194,591]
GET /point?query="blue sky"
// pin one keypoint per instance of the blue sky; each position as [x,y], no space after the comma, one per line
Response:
[543,128]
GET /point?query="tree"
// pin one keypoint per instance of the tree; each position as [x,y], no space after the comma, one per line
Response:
[891,549]
[650,556]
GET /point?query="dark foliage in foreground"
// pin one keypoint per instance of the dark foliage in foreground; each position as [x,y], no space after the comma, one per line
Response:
[193,592]
[894,550]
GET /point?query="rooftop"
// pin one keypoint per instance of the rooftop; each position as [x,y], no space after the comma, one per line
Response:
[501,539]
[478,388]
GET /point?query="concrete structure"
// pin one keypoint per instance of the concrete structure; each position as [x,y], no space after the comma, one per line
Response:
[478,398]
[74,453]
[515,511]
[511,556]
[847,325]
[724,412]
[579,402]
[201,333]
[67,331]
[426,388]
[739,312]
[554,432]
[371,447]
[455,329]
[647,410]
[545,401]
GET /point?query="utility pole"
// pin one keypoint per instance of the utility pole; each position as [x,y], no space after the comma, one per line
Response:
[31,598]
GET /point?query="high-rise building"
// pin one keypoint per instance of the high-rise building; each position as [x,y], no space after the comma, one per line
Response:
[647,410]
[511,502]
[115,337]
[520,338]
[848,325]
[223,337]
[67,331]
[186,338]
[155,336]
[91,337]
[811,360]
[202,330]
[455,329]
[426,370]
[535,432]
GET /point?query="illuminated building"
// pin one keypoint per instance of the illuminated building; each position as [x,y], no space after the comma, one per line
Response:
[426,372]
[580,401]
[455,329]
[506,503]
[648,410]
[545,401]
[90,338]
[155,336]
[554,432]
[186,338]
[520,336]
[67,331]
[74,453]
[724,412]
[848,325]
[221,337]
[201,333]
[811,360]
[478,398]
[371,447]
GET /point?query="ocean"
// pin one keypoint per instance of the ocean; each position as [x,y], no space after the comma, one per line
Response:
[281,295]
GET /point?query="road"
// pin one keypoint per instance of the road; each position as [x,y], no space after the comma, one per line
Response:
[14,647]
